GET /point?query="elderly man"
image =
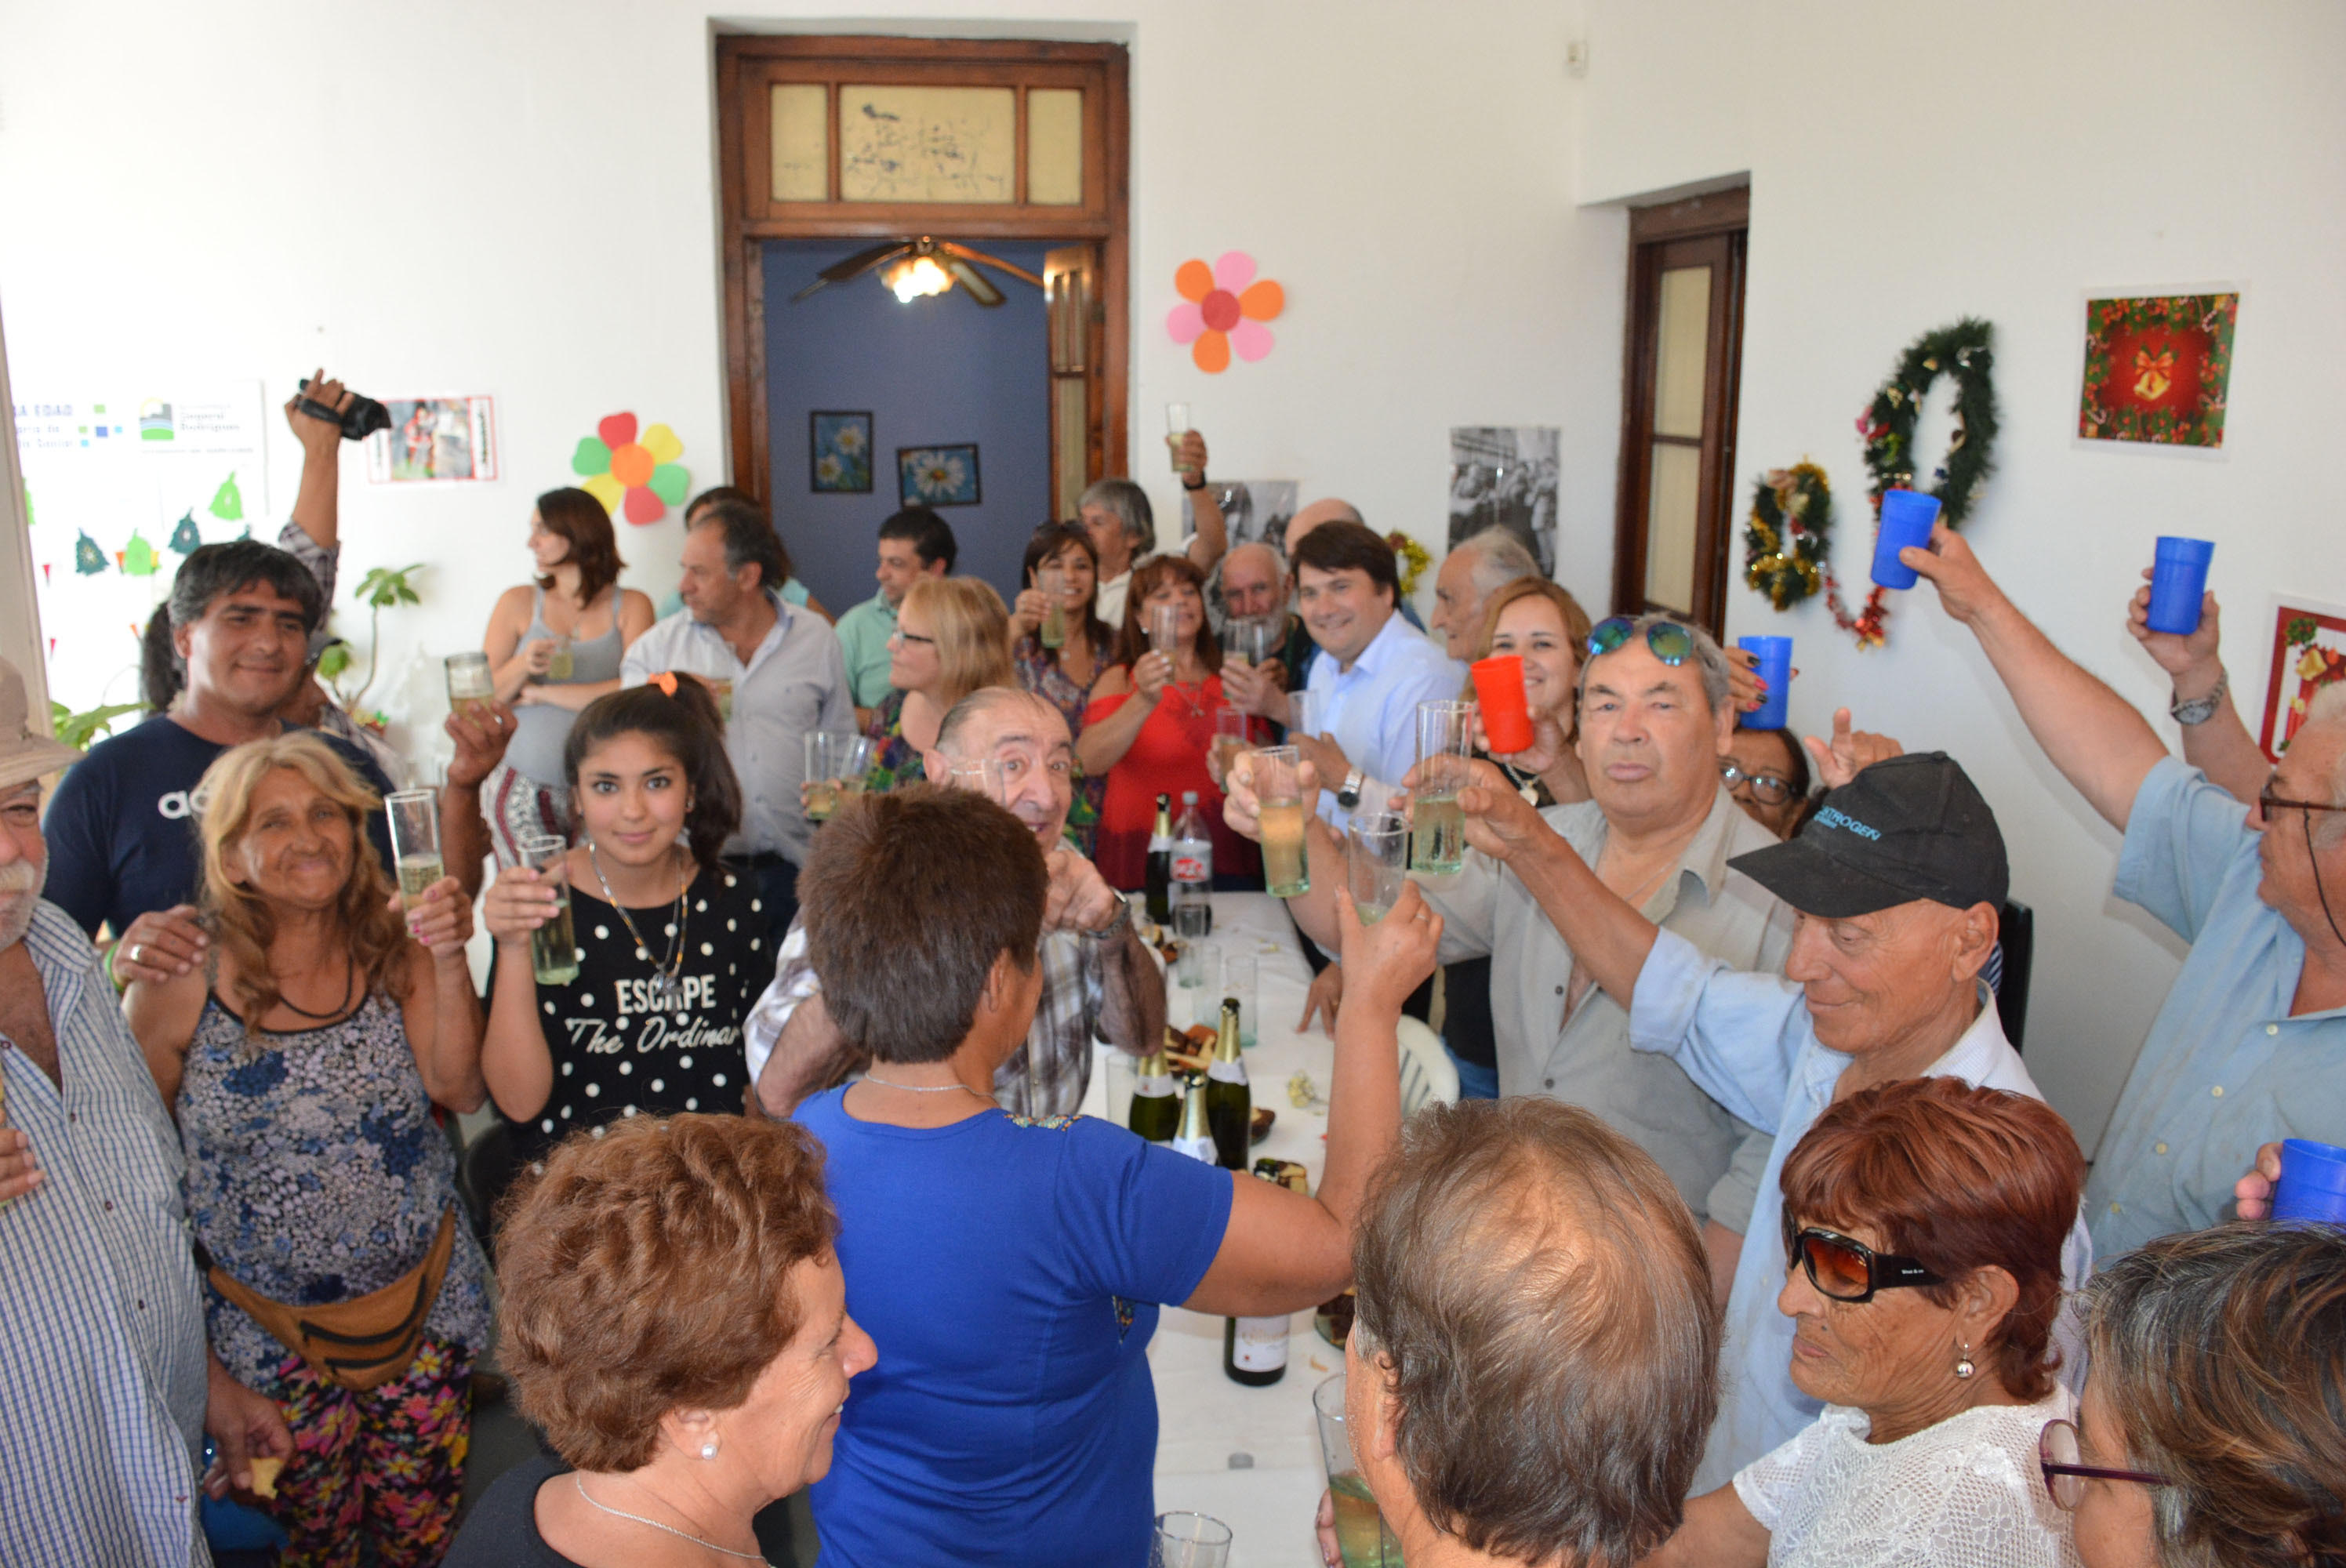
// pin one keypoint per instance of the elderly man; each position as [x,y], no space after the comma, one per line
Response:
[1476,568]
[2251,1039]
[1254,584]
[1497,1419]
[1899,881]
[915,543]
[1660,832]
[787,678]
[106,1388]
[1099,979]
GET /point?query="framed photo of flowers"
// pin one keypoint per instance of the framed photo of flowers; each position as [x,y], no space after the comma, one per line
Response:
[838,448]
[937,475]
[2159,369]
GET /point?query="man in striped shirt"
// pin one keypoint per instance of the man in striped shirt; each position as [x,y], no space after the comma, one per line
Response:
[106,1388]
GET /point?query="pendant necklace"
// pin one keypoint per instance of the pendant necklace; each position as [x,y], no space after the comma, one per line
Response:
[664,991]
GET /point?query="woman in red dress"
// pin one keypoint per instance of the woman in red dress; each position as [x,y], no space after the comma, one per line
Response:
[1151,723]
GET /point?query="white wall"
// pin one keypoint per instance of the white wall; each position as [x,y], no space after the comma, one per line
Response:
[519,199]
[1912,164]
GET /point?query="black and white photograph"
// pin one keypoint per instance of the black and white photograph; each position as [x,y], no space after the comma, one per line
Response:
[1504,476]
[1254,511]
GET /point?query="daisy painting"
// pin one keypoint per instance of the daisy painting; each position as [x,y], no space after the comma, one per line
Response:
[937,475]
[841,448]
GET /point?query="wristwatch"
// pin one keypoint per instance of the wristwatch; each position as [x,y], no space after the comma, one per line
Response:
[2200,709]
[1199,486]
[1348,795]
[1117,924]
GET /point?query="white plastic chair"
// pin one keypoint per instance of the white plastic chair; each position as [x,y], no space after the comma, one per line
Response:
[1427,1073]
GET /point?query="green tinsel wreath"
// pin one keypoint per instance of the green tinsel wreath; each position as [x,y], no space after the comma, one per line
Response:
[1788,533]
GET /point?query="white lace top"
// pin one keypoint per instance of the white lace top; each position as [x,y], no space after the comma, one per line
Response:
[1965,1493]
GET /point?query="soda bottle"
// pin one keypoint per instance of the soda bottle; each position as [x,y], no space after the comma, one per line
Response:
[1230,1108]
[1193,856]
[1158,879]
[1156,1110]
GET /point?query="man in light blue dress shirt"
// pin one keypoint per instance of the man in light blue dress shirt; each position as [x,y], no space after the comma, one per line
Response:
[1898,880]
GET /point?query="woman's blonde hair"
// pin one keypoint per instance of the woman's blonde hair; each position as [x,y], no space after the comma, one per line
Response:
[1577,627]
[973,633]
[240,920]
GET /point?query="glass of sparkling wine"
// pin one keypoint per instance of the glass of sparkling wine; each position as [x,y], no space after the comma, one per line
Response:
[416,841]
[554,946]
[1376,860]
[1191,1541]
[1286,869]
[1165,629]
[470,689]
[1362,1537]
[1445,739]
[721,687]
[1229,738]
[1177,425]
[836,763]
[1052,583]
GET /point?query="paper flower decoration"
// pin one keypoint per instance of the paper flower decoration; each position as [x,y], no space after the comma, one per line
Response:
[1224,307]
[639,477]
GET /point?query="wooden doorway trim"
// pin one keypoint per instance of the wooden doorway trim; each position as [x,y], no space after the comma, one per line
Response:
[746,64]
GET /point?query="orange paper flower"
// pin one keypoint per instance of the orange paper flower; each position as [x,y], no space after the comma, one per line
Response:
[1223,308]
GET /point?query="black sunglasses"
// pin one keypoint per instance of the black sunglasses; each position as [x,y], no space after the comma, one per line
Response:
[1844,1268]
[2057,1454]
[1669,641]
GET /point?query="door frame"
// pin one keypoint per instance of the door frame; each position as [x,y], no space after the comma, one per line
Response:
[746,224]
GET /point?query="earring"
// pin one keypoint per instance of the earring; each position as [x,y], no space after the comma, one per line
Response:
[1963,1368]
[708,1448]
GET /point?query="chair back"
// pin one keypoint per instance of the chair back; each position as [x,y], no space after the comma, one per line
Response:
[1427,1073]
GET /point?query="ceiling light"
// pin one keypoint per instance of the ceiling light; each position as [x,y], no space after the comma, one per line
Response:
[915,277]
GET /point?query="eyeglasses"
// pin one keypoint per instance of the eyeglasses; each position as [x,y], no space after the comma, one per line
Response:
[900,636]
[2057,1454]
[1844,1268]
[2268,802]
[1765,788]
[1669,641]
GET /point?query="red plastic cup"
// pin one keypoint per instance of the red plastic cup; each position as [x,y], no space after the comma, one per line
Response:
[1507,716]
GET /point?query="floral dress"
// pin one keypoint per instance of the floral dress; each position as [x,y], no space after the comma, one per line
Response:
[1040,673]
[894,759]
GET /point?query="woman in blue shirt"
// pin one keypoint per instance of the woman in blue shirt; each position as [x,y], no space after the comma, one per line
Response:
[1011,1270]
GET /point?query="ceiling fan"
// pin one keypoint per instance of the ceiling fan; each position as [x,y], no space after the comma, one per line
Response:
[913,268]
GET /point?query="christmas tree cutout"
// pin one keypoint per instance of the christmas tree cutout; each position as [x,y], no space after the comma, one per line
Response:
[88,559]
[138,556]
[185,539]
[228,502]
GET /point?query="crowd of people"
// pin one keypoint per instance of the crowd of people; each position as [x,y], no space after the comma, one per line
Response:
[1748,1239]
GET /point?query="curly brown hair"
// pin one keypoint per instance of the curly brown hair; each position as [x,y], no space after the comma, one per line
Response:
[243,922]
[644,1269]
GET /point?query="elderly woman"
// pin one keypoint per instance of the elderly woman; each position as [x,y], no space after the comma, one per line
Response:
[303,1066]
[1767,771]
[675,1321]
[2212,1433]
[1012,1267]
[952,638]
[1926,1221]
[1064,676]
[1542,624]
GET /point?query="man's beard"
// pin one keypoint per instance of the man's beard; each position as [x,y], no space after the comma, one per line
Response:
[21,883]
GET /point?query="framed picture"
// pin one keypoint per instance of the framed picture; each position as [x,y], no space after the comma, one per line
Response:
[840,448]
[1506,476]
[2309,652]
[435,441]
[2158,369]
[937,475]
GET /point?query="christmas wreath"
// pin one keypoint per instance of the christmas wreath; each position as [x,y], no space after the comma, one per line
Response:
[1785,538]
[1966,352]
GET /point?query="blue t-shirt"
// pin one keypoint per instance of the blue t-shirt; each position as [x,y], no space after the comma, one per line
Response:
[121,835]
[1009,1272]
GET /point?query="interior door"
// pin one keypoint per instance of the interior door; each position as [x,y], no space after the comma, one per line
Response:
[1071,294]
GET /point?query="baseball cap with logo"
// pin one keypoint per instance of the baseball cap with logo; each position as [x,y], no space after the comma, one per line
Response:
[1907,828]
[24,753]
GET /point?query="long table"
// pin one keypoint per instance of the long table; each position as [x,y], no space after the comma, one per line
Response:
[1250,1457]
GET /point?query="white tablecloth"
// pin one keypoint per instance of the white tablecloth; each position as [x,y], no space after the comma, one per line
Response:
[1205,1421]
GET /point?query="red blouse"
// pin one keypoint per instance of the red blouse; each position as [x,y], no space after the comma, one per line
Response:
[1167,756]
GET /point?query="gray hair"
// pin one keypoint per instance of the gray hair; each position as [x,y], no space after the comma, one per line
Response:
[1710,662]
[1130,502]
[1499,558]
[976,706]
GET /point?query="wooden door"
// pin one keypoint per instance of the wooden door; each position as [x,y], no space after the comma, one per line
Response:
[1071,289]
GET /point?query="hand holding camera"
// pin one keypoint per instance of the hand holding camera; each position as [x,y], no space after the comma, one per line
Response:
[329,404]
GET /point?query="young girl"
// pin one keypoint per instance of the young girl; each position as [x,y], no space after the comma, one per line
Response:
[672,946]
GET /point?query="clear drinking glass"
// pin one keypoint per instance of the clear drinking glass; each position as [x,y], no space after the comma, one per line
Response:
[1122,1078]
[1361,1535]
[554,946]
[1259,637]
[721,687]
[470,689]
[1231,738]
[416,841]
[1164,628]
[1177,425]
[1377,859]
[1445,739]
[1052,583]
[1191,1541]
[562,661]
[1305,712]
[1240,970]
[1286,868]
[836,763]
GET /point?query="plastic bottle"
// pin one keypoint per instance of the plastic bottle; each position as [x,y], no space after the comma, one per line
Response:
[1193,856]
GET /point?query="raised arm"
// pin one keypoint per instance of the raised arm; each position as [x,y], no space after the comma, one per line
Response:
[481,740]
[2100,743]
[516,1065]
[2220,745]
[317,505]
[1106,739]
[1282,1251]
[441,1010]
[1212,538]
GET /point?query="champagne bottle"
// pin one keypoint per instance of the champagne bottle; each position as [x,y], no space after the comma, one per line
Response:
[1230,1108]
[1254,1349]
[1156,1109]
[1193,1138]
[1159,877]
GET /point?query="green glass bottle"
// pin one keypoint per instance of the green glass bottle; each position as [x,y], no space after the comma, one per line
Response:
[1156,1109]
[1230,1108]
[1254,1349]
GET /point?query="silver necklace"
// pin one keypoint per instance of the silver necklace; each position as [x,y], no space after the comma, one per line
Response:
[664,991]
[656,1524]
[915,1088]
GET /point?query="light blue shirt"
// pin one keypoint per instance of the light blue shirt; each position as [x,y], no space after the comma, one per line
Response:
[2225,1068]
[1371,708]
[102,1368]
[863,634]
[1747,1040]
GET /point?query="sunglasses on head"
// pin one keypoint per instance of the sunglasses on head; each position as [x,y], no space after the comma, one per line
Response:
[1668,640]
[1844,1268]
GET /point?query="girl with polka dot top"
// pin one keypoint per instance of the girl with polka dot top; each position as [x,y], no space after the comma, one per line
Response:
[672,945]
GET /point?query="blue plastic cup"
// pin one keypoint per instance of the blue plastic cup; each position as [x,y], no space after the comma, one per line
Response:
[2178,577]
[1776,669]
[1906,519]
[2312,1185]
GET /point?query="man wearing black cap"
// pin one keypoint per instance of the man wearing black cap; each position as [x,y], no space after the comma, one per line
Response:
[1898,881]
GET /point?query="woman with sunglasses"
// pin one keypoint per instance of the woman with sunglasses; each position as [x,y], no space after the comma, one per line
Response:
[2212,1432]
[1925,1220]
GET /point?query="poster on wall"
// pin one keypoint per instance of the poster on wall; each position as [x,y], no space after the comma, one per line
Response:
[2309,652]
[937,475]
[838,447]
[1254,511]
[2157,369]
[1504,476]
[435,441]
[121,485]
